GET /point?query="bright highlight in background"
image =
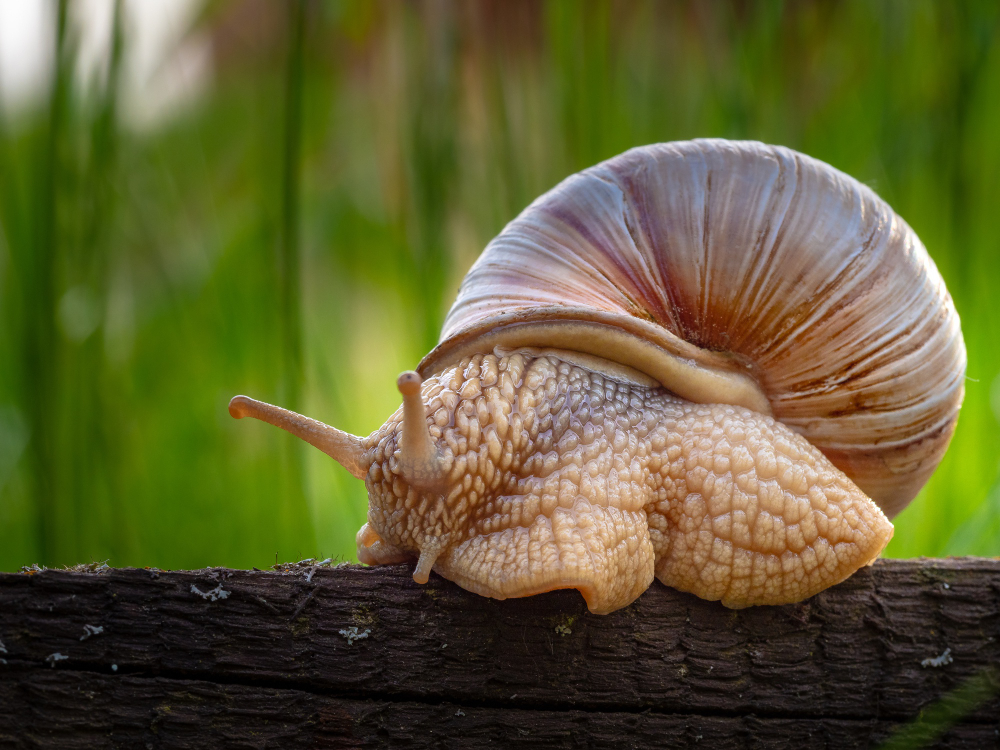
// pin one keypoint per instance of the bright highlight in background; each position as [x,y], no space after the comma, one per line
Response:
[168,64]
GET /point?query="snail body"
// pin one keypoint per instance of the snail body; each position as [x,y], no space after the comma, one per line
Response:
[708,362]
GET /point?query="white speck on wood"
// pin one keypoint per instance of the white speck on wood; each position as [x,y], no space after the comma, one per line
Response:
[53,658]
[938,661]
[212,595]
[313,568]
[352,634]
[89,630]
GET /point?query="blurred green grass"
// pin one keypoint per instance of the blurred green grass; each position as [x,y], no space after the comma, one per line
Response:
[144,275]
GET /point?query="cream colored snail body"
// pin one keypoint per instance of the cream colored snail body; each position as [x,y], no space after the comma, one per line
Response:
[722,364]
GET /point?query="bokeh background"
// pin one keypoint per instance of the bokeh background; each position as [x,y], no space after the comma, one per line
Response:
[280,198]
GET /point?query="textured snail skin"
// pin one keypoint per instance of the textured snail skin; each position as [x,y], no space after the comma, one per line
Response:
[556,476]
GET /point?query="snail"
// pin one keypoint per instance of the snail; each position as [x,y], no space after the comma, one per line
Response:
[721,364]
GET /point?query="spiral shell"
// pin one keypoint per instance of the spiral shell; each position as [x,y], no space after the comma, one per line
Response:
[790,283]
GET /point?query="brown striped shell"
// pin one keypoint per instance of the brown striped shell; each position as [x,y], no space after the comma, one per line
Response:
[742,273]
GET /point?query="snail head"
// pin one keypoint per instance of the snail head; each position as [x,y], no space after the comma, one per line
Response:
[415,478]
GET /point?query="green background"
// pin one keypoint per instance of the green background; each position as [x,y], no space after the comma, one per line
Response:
[299,233]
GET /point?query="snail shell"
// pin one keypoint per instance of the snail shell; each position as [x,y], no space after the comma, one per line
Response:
[683,362]
[761,277]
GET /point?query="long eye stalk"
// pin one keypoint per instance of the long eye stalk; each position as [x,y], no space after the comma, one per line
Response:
[342,447]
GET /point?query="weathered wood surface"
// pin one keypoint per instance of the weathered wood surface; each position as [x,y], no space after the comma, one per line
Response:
[223,658]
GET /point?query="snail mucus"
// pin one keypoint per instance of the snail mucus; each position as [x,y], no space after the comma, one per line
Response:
[721,364]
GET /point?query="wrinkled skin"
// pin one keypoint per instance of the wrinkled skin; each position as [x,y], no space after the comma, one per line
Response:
[560,477]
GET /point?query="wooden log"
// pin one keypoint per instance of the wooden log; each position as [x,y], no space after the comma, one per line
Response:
[353,656]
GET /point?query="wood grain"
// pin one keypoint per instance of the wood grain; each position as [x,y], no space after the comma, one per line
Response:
[353,656]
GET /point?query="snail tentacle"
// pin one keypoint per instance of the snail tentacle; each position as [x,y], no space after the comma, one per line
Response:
[346,449]
[419,460]
[430,551]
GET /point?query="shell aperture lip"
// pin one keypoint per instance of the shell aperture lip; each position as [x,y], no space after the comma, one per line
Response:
[695,374]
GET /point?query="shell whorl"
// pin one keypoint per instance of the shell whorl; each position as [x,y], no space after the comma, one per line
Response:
[766,264]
